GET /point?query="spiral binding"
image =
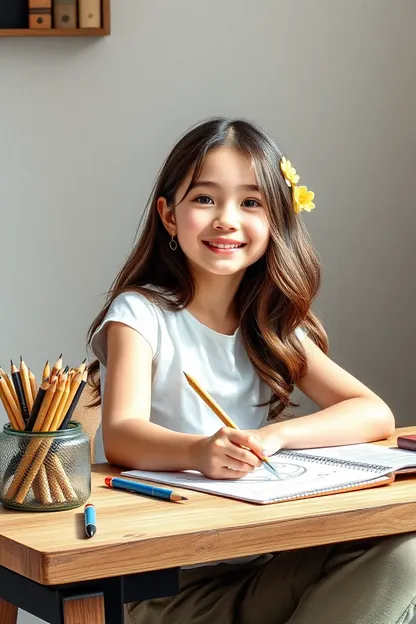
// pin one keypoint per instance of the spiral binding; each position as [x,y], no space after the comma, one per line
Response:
[384,471]
[334,462]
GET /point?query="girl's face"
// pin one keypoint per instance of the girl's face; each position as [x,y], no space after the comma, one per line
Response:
[221,224]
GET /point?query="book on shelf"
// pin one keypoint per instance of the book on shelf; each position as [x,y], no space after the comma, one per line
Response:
[13,14]
[64,13]
[40,14]
[89,12]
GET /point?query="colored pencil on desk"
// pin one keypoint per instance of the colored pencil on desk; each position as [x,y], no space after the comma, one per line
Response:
[142,488]
[218,411]
[90,520]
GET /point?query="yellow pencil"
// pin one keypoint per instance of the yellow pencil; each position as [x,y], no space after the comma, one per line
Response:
[81,368]
[46,371]
[54,405]
[33,385]
[58,415]
[218,411]
[10,386]
[8,409]
[46,403]
[27,389]
[18,422]
[57,366]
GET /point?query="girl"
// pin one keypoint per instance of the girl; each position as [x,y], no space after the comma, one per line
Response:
[220,285]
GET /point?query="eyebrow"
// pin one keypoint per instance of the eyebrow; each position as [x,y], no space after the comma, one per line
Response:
[243,187]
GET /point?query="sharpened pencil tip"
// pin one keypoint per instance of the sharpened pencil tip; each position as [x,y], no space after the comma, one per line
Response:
[176,498]
[60,356]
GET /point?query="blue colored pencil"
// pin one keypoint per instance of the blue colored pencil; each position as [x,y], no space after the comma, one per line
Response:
[142,488]
[90,520]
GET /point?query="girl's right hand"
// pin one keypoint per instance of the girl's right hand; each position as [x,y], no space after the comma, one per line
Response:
[222,456]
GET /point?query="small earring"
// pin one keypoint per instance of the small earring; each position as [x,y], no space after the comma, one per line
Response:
[173,244]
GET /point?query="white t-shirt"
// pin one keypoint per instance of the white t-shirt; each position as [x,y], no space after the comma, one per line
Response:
[180,343]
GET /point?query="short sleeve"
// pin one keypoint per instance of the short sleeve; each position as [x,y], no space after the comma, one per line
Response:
[133,310]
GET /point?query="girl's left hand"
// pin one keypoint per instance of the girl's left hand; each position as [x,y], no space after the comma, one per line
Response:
[269,438]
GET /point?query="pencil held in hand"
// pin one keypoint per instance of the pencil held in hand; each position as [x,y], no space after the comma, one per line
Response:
[218,411]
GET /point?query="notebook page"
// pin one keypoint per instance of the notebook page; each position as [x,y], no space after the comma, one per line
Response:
[297,478]
[394,457]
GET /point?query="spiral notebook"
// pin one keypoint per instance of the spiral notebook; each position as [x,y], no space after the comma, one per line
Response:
[302,474]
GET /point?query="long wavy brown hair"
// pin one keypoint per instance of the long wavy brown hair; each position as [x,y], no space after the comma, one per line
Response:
[276,292]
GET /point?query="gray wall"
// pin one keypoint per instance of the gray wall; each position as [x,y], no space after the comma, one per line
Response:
[85,124]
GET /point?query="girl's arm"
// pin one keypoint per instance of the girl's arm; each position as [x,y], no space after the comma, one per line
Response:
[350,412]
[132,441]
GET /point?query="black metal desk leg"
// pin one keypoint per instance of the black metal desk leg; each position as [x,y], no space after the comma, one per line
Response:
[114,601]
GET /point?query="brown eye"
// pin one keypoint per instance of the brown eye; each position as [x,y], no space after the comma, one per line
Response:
[203,199]
[251,203]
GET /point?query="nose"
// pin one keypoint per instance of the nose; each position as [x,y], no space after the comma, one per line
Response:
[227,219]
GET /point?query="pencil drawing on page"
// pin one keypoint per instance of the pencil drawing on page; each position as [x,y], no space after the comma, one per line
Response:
[284,472]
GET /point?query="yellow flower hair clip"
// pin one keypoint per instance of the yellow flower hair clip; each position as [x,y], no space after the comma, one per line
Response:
[302,198]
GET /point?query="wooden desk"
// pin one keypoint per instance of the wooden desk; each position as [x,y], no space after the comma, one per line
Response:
[46,558]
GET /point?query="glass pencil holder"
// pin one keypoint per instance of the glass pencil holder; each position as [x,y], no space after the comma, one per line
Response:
[45,471]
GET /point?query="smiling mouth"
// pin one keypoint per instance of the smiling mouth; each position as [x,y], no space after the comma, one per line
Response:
[225,246]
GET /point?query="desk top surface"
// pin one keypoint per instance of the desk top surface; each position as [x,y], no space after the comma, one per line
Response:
[138,534]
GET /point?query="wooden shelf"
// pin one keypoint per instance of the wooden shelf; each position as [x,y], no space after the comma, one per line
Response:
[54,32]
[64,32]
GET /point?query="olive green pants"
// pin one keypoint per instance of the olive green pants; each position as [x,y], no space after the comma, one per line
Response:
[360,582]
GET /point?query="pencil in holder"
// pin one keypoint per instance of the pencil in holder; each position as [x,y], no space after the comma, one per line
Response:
[45,471]
[44,456]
